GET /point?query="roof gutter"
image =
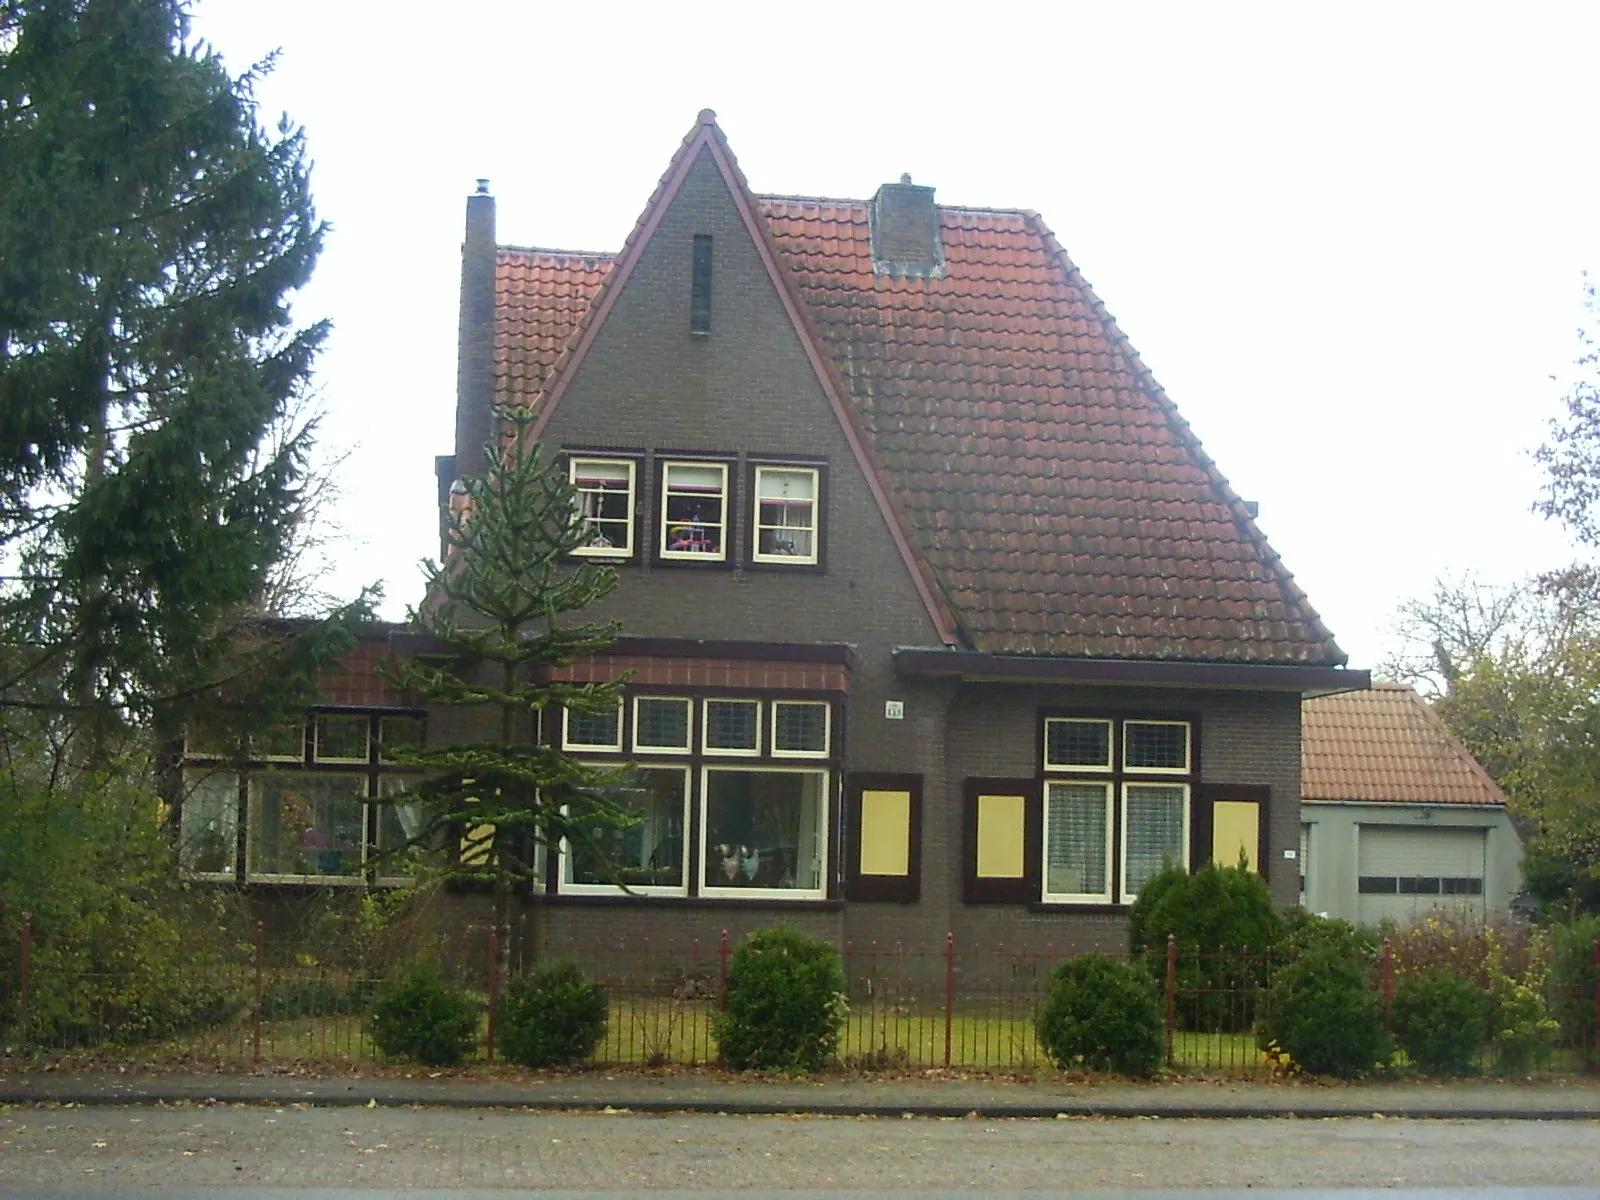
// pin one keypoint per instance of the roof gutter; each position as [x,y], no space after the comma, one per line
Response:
[975,666]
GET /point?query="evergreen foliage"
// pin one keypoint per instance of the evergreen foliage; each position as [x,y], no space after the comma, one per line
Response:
[1225,925]
[1440,1020]
[421,1017]
[151,456]
[785,1003]
[1103,1014]
[496,607]
[1322,1013]
[552,1016]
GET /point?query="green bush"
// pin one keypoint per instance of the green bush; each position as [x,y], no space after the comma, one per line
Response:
[1104,1014]
[1573,979]
[1304,931]
[552,1016]
[1217,915]
[422,1017]
[1521,1029]
[1440,1020]
[1321,1013]
[785,1003]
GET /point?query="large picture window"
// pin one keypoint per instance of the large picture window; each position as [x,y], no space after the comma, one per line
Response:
[605,489]
[763,830]
[648,857]
[306,826]
[1116,805]
[694,511]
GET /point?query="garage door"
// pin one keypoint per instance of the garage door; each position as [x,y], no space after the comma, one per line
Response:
[1405,873]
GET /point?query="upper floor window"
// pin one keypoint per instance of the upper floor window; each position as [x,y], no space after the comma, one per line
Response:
[694,511]
[605,503]
[786,514]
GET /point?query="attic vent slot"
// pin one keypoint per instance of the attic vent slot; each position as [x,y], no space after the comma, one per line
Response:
[700,288]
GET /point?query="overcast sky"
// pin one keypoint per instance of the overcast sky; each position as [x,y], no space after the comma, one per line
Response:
[1347,239]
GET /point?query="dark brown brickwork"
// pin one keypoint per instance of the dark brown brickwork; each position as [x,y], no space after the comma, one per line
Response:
[709,672]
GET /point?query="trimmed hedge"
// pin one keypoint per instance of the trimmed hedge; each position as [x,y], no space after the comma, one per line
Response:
[1104,1014]
[552,1016]
[785,1003]
[421,1017]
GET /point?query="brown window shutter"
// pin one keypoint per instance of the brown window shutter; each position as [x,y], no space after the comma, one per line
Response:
[1001,851]
[1207,822]
[883,837]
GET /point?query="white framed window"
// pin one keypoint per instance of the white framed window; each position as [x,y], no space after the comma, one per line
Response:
[663,724]
[648,857]
[1078,819]
[694,511]
[800,728]
[1077,744]
[764,830]
[605,489]
[341,738]
[306,826]
[209,835]
[731,727]
[592,731]
[1155,832]
[1155,747]
[786,515]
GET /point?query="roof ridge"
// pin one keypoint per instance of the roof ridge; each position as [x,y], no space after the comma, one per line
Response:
[1292,592]
[511,249]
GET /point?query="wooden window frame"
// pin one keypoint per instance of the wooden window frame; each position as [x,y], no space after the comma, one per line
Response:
[724,556]
[1113,825]
[594,747]
[710,751]
[630,552]
[633,710]
[560,885]
[818,472]
[774,751]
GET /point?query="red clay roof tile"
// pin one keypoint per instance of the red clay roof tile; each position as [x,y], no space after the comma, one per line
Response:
[1063,505]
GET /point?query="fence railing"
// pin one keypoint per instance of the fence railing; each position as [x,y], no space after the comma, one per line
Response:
[910,1006]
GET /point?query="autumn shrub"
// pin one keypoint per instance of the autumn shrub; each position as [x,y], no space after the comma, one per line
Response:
[785,1003]
[422,1017]
[552,1016]
[1440,1020]
[1104,1014]
[1225,925]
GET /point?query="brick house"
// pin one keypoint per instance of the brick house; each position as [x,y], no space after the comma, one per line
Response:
[938,615]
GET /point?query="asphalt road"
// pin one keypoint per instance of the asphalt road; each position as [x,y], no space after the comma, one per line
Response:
[106,1150]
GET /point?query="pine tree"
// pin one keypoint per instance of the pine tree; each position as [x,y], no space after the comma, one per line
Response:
[151,460]
[495,610]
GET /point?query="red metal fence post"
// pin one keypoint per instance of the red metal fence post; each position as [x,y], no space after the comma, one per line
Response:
[1172,993]
[722,953]
[1386,985]
[255,1011]
[494,988]
[25,984]
[949,992]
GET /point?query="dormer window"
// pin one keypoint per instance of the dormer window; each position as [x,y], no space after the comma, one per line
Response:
[605,503]
[694,511]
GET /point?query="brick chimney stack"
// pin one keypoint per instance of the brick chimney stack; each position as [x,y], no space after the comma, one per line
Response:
[475,362]
[905,230]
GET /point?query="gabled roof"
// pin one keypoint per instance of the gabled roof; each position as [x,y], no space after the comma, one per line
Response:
[1386,745]
[1044,482]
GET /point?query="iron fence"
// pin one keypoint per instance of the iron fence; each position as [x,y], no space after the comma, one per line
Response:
[910,1006]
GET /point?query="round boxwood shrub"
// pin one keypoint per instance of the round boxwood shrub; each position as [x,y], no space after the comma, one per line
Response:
[1225,925]
[1322,1014]
[1440,1020]
[552,1016]
[420,1016]
[785,1003]
[1104,1014]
